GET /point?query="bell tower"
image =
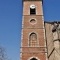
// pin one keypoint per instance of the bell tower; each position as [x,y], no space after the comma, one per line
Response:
[33,45]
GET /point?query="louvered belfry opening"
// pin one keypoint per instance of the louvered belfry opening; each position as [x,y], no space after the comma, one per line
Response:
[32,11]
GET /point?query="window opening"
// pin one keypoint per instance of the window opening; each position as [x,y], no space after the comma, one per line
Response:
[33,39]
[32,9]
[33,59]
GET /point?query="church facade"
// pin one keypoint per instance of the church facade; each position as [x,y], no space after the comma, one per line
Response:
[39,40]
[52,37]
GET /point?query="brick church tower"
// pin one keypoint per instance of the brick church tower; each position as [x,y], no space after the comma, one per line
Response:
[33,46]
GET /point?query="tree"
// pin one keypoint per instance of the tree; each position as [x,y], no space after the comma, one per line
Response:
[2,53]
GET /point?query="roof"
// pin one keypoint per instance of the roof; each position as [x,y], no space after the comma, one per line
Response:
[58,22]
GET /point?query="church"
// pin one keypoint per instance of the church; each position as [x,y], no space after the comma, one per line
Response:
[40,40]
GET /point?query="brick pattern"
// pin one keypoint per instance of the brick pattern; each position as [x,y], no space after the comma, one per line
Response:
[33,48]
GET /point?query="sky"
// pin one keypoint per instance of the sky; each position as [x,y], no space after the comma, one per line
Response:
[51,10]
[11,22]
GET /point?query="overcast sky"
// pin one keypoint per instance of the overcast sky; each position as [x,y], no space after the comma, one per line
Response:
[10,23]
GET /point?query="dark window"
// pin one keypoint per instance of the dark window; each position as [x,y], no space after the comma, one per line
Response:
[33,59]
[32,11]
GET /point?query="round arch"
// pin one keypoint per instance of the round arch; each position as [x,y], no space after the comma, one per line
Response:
[34,58]
[33,39]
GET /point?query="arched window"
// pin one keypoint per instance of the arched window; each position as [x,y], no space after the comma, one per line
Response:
[33,39]
[32,9]
[33,59]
